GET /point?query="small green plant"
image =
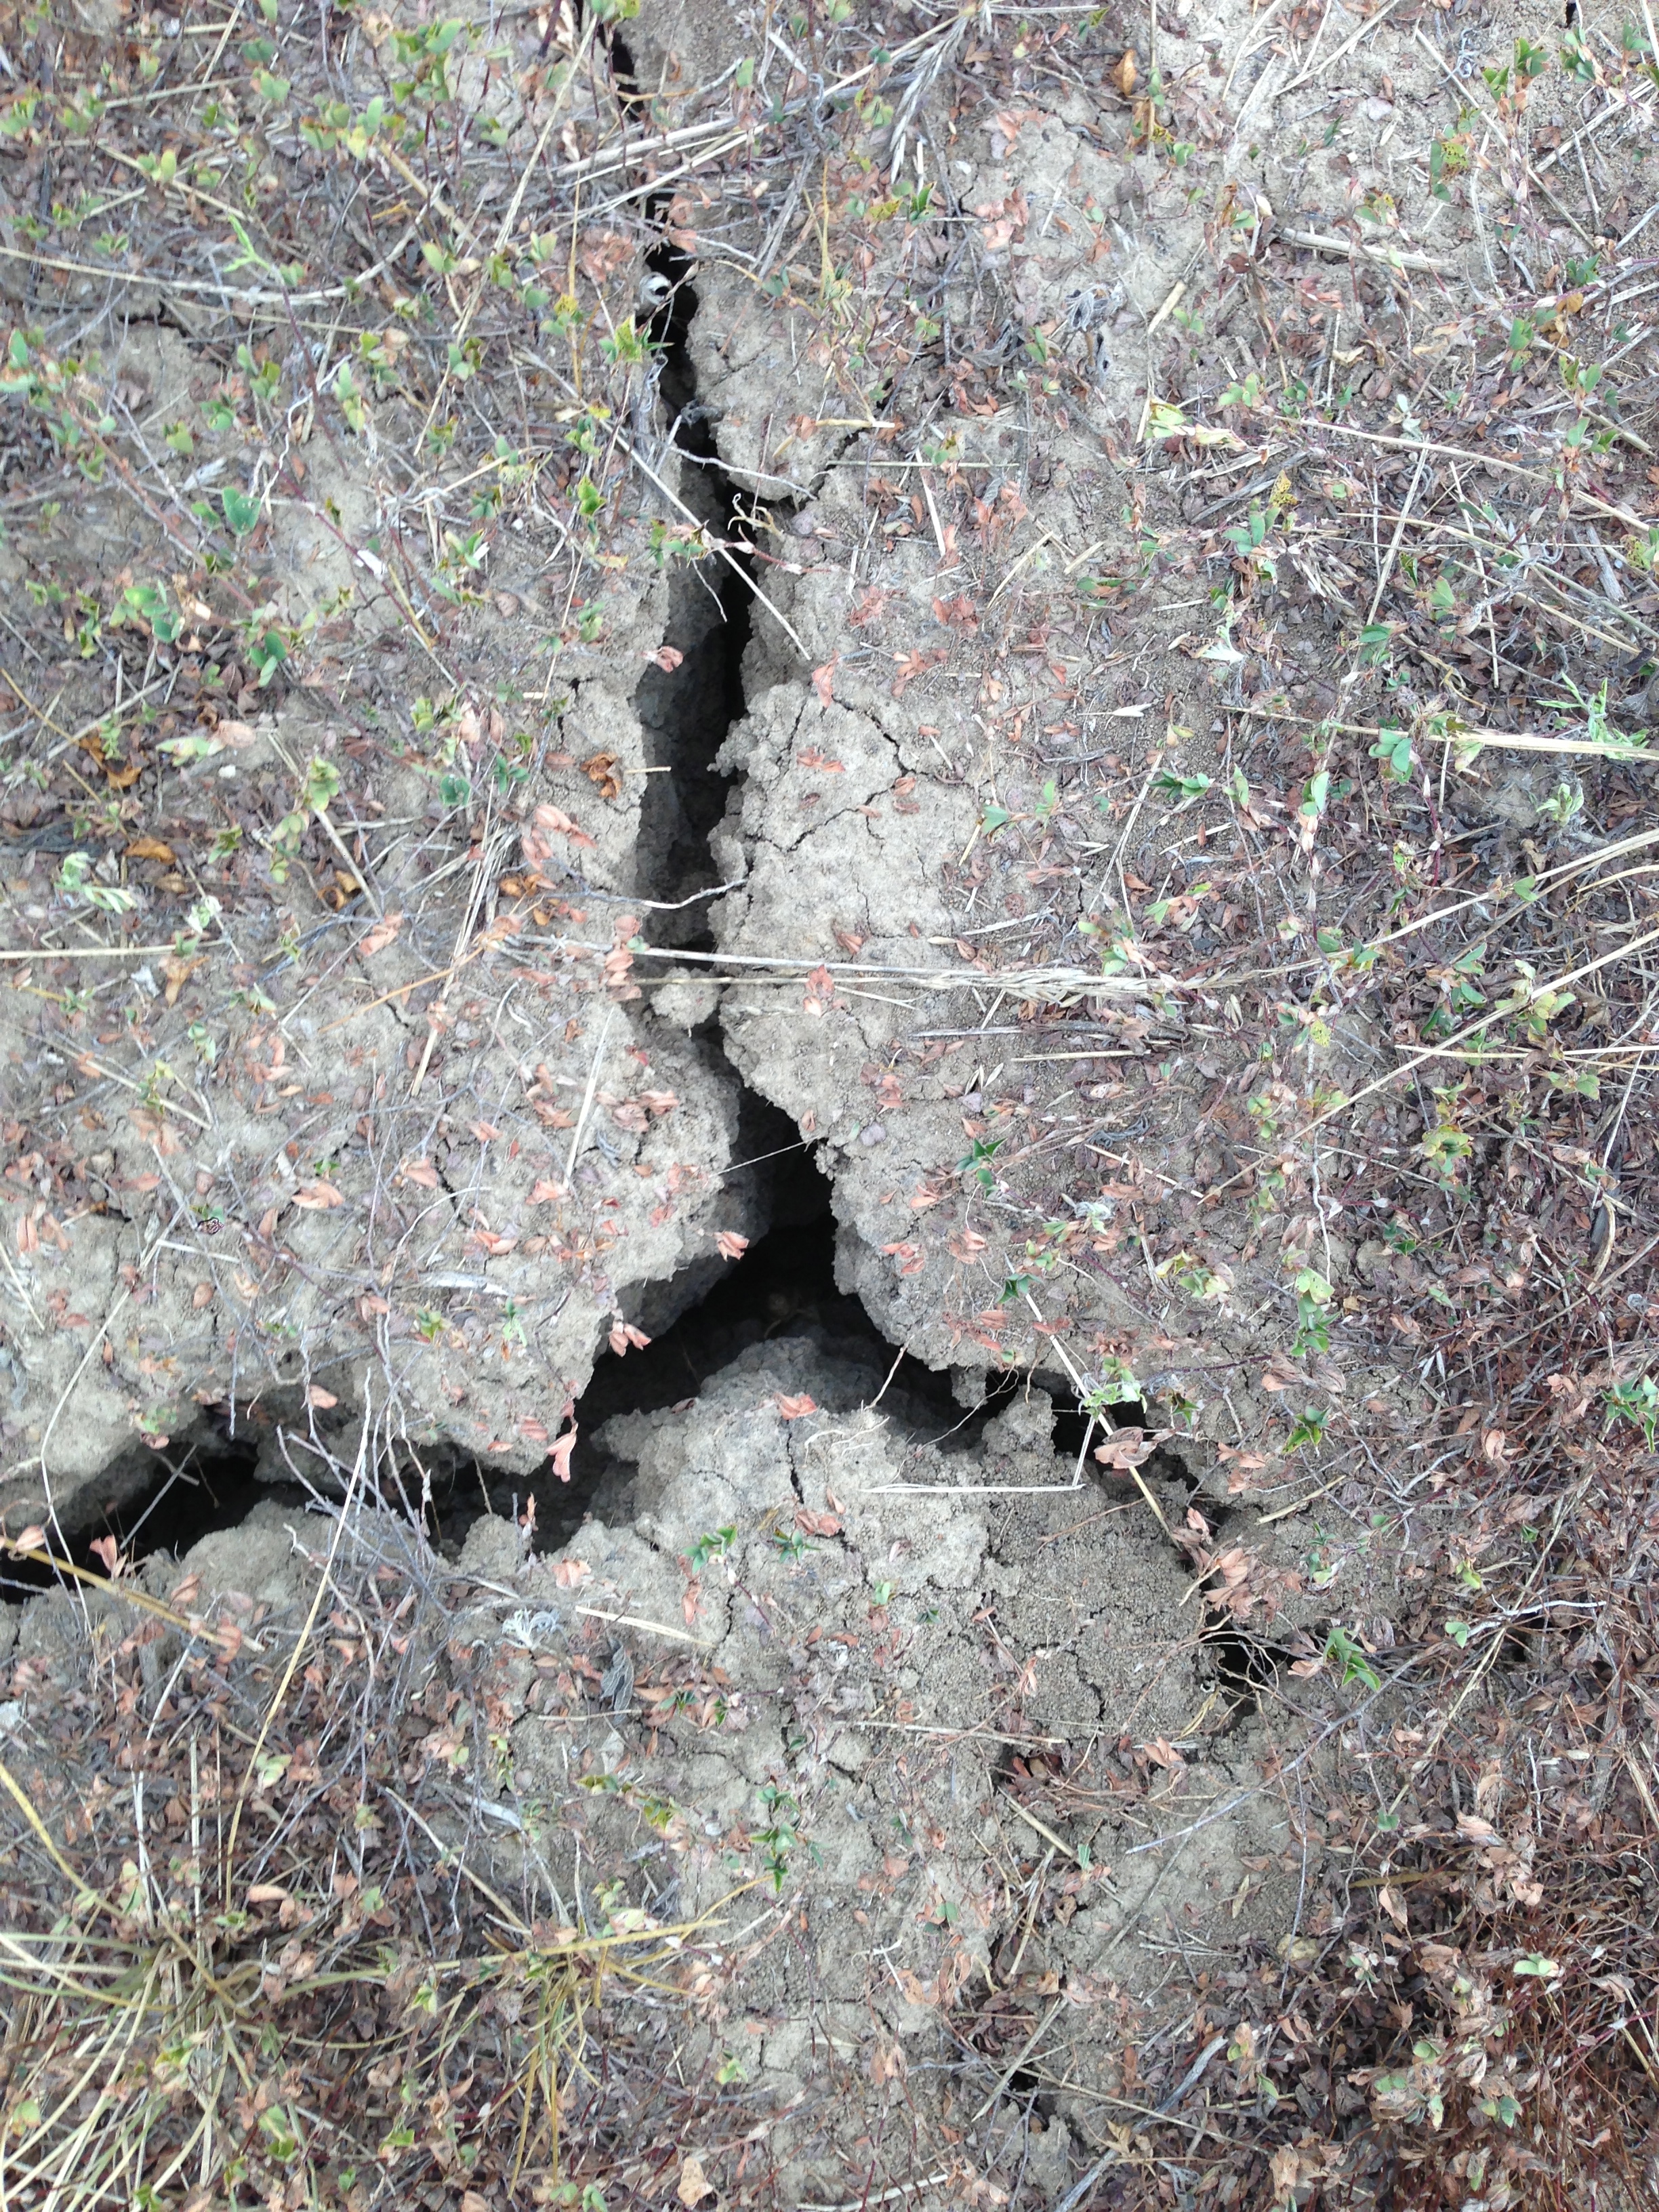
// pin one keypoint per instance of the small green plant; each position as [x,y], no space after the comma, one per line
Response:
[241,511]
[1342,1652]
[1186,788]
[1565,801]
[1309,1428]
[781,1835]
[1193,1277]
[1249,540]
[146,606]
[1447,1144]
[1637,1401]
[712,1544]
[74,881]
[978,1158]
[1581,65]
[1313,1299]
[350,401]
[1247,394]
[1393,749]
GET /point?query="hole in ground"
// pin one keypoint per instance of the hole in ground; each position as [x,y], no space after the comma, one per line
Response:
[1245,1667]
[164,1503]
[784,1286]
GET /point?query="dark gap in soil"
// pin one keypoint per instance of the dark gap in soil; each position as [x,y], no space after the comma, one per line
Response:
[688,711]
[152,1505]
[1071,1421]
[1244,1666]
[784,1286]
[785,1283]
[625,74]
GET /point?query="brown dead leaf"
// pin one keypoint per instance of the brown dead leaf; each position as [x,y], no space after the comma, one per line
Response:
[319,1197]
[667,658]
[324,1399]
[553,821]
[729,1245]
[693,2184]
[1127,1447]
[380,936]
[886,2060]
[795,1408]
[820,992]
[600,253]
[151,848]
[178,973]
[1127,75]
[823,679]
[202,1296]
[600,769]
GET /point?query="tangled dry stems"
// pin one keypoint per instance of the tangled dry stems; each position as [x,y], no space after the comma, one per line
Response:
[294,1986]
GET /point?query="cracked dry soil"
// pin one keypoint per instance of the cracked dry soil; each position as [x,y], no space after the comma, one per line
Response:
[780,1557]
[882,1602]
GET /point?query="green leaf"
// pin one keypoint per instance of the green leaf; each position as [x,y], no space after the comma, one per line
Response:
[241,511]
[149,603]
[1393,749]
[992,819]
[1185,787]
[712,1544]
[1535,1964]
[1341,1649]
[322,783]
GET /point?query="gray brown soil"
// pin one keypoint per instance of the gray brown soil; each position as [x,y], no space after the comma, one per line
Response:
[892,775]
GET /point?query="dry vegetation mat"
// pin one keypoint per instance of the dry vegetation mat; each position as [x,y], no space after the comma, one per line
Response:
[953,709]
